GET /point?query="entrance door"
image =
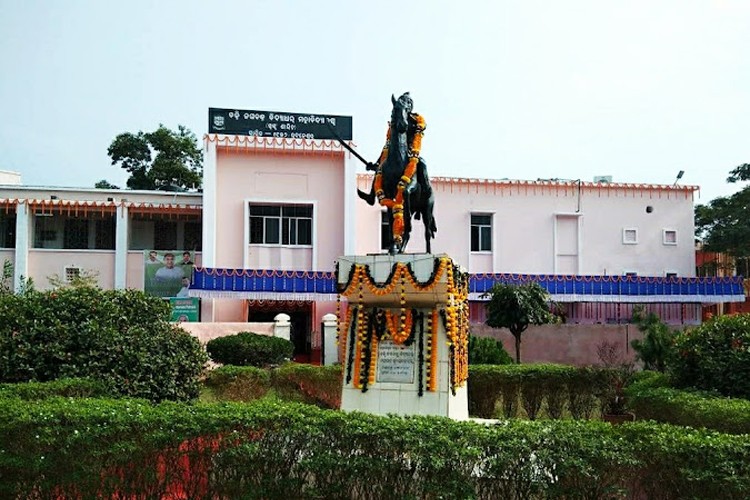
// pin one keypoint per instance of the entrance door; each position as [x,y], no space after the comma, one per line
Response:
[300,313]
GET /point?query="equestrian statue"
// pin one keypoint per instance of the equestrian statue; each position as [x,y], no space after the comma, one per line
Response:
[401,183]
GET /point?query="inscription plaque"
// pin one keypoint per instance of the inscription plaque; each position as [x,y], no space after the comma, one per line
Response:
[396,362]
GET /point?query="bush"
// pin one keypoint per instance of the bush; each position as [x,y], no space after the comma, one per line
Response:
[318,385]
[111,448]
[69,387]
[250,349]
[487,351]
[238,383]
[120,337]
[652,398]
[715,356]
[655,348]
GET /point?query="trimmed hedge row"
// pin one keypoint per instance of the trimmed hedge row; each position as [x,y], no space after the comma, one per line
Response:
[69,387]
[652,398]
[318,385]
[91,448]
[553,389]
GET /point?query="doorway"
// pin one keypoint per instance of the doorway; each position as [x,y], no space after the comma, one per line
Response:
[300,314]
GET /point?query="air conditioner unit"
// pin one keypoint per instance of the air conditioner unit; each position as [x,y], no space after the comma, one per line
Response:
[71,273]
[603,179]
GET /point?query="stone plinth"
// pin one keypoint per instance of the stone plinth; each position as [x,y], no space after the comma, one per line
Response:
[398,358]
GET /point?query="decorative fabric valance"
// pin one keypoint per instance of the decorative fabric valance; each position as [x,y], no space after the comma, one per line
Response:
[310,285]
[263,284]
[569,288]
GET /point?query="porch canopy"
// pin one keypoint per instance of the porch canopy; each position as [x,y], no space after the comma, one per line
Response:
[321,286]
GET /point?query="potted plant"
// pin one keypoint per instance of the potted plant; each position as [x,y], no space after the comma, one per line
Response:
[616,375]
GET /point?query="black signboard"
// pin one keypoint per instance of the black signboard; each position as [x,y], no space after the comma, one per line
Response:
[278,124]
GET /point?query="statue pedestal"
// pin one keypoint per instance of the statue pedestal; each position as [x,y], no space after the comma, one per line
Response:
[404,336]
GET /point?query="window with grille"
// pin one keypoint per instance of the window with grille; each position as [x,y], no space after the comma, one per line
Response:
[281,224]
[71,273]
[481,232]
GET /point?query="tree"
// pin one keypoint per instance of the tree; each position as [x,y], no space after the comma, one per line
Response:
[724,223]
[515,307]
[656,346]
[105,184]
[163,160]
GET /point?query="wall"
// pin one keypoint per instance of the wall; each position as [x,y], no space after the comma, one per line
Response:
[258,176]
[527,237]
[564,344]
[46,263]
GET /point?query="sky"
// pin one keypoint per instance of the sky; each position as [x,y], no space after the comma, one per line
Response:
[524,89]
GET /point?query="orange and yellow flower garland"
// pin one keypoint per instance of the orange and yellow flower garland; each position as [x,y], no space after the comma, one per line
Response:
[396,204]
[399,325]
[432,351]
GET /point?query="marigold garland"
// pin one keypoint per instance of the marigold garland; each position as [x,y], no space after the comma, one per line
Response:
[432,341]
[396,204]
[399,325]
[368,327]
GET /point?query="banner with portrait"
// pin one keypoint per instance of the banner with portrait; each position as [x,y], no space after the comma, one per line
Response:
[166,273]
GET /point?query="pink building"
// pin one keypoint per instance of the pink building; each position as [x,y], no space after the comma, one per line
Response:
[277,212]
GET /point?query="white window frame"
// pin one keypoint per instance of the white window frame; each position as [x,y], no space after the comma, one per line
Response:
[261,201]
[664,239]
[491,215]
[625,240]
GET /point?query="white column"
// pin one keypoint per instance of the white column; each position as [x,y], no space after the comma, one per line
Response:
[121,247]
[21,266]
[283,326]
[330,349]
[209,204]
[350,208]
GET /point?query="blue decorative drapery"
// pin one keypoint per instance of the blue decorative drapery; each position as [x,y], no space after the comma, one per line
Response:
[571,288]
[316,285]
[263,284]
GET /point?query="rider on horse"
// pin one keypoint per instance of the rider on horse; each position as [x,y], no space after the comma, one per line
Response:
[416,124]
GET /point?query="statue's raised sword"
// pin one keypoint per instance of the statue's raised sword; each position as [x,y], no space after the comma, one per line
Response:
[336,136]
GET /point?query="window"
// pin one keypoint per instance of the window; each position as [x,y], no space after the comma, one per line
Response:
[281,224]
[93,231]
[165,232]
[385,231]
[481,232]
[629,236]
[7,230]
[669,237]
[71,273]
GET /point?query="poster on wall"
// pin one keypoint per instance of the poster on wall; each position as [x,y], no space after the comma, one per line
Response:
[167,272]
[185,309]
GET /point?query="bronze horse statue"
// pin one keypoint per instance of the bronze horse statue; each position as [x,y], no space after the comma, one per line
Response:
[401,183]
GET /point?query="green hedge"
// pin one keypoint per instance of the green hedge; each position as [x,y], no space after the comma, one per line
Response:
[652,398]
[238,383]
[90,448]
[318,385]
[71,387]
[250,349]
[538,389]
[122,338]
